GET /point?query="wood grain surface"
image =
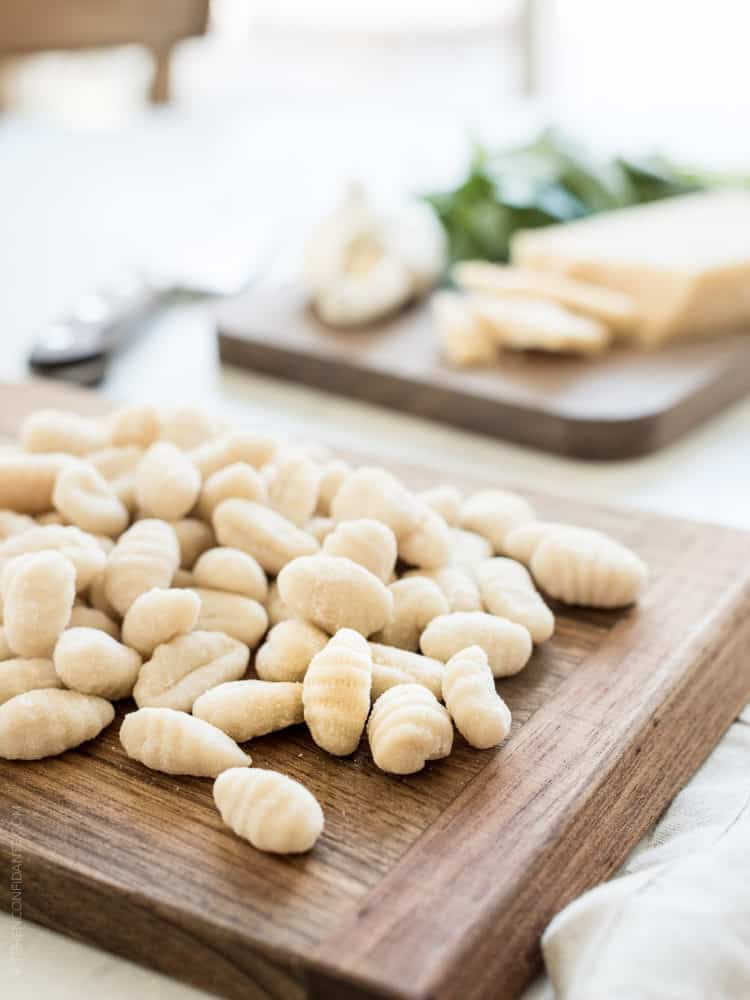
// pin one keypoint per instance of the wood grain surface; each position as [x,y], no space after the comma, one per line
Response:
[436,885]
[624,404]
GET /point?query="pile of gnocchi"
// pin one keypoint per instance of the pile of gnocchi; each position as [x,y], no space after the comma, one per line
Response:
[147,555]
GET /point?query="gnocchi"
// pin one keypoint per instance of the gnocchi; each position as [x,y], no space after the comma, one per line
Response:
[478,711]
[64,432]
[157,616]
[84,498]
[19,675]
[253,448]
[92,662]
[194,537]
[508,591]
[38,595]
[117,465]
[237,481]
[416,601]
[446,501]
[288,650]
[146,555]
[336,593]
[262,533]
[167,483]
[183,668]
[246,709]
[84,617]
[231,570]
[336,693]
[80,548]
[240,617]
[507,645]
[391,666]
[27,481]
[429,544]
[176,743]
[367,542]
[407,728]
[137,425]
[493,514]
[293,488]
[46,722]
[271,811]
[376,494]
[459,589]
[588,568]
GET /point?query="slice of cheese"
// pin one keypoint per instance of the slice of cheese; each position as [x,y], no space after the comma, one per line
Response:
[464,342]
[615,309]
[535,324]
[685,261]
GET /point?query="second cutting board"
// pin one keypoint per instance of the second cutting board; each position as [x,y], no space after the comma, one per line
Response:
[625,404]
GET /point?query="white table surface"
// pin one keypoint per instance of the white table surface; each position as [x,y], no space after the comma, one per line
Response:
[74,207]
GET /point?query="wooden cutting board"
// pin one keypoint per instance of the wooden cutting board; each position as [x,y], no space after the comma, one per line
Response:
[624,404]
[436,885]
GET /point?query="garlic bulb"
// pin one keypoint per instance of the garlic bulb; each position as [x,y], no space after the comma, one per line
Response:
[360,265]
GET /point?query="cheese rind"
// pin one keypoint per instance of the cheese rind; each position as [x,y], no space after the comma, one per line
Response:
[685,261]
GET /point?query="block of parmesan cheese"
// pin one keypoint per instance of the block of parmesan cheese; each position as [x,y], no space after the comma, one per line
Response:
[685,261]
[539,325]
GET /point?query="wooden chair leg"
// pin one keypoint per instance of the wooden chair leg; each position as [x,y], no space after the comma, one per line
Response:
[159,93]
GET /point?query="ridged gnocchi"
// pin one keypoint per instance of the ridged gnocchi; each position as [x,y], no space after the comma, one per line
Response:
[335,593]
[80,548]
[92,662]
[262,533]
[376,494]
[407,728]
[391,666]
[508,591]
[478,711]
[176,743]
[146,555]
[246,709]
[288,650]
[183,668]
[237,481]
[46,722]
[293,488]
[271,811]
[588,568]
[507,645]
[159,615]
[336,693]
[62,431]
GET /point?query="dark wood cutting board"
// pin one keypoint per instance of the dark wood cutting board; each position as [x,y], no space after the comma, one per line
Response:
[432,886]
[625,404]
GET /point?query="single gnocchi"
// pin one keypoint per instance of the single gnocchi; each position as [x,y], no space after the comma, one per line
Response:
[240,617]
[185,667]
[146,555]
[468,549]
[19,675]
[288,650]
[336,693]
[588,568]
[429,544]
[84,497]
[49,721]
[84,617]
[407,728]
[137,425]
[253,448]
[293,488]
[273,812]
[370,543]
[194,537]
[92,662]
[377,494]
[336,593]
[187,427]
[262,533]
[231,570]
[176,743]
[237,481]
[159,615]
[38,595]
[445,500]
[27,481]
[391,666]
[332,478]
[117,465]
[493,514]
[80,548]
[13,524]
[416,601]
[167,483]
[480,714]
[457,586]
[508,591]
[246,709]
[507,645]
[61,431]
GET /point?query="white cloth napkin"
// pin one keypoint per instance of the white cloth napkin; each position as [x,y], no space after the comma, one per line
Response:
[675,923]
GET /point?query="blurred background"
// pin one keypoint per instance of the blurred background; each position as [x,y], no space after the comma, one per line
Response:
[137,133]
